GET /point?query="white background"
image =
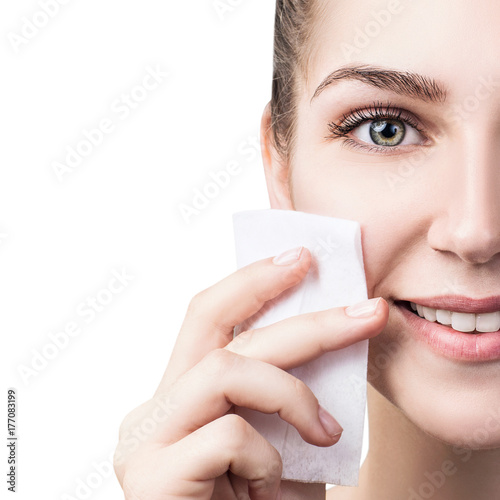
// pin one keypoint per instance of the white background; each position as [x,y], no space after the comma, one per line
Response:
[62,236]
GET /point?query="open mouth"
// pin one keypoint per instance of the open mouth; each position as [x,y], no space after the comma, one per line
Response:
[456,321]
[454,335]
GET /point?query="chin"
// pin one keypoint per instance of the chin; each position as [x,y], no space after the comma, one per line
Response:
[457,423]
[455,403]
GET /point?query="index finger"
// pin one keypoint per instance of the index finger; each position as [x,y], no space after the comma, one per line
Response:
[296,340]
[213,312]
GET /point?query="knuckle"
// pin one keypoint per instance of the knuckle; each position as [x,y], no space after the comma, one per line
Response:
[131,418]
[236,431]
[196,304]
[269,469]
[302,391]
[126,423]
[321,319]
[237,434]
[131,488]
[267,474]
[241,341]
[265,480]
[218,362]
[322,322]
[276,463]
[135,483]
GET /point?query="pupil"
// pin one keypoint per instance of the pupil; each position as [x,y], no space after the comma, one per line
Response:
[389,131]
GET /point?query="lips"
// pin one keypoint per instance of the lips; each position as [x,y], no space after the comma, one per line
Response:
[444,340]
[460,303]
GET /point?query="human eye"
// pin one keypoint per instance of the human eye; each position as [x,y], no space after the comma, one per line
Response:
[379,128]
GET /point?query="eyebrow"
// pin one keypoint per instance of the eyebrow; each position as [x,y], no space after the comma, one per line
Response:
[403,83]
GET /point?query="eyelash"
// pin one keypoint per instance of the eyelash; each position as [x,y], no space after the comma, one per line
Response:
[357,116]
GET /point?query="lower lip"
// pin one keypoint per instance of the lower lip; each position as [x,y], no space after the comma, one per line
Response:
[452,344]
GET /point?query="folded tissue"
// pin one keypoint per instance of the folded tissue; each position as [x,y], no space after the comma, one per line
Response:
[338,378]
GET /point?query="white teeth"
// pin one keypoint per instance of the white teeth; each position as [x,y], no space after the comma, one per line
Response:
[462,322]
[488,322]
[443,317]
[429,314]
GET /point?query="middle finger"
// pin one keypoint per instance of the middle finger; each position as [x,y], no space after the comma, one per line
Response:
[223,378]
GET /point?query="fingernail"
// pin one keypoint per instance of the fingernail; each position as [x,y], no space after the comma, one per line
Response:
[331,426]
[363,309]
[288,257]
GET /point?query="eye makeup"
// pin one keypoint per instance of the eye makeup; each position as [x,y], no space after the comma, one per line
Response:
[379,113]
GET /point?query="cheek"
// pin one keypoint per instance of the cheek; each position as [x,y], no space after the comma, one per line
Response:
[338,183]
[335,189]
[389,225]
[459,406]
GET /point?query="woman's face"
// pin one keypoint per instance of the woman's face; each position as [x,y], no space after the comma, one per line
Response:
[425,188]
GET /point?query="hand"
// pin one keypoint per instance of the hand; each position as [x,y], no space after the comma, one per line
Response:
[186,442]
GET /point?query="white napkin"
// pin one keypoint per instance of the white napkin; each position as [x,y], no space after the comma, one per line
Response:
[338,378]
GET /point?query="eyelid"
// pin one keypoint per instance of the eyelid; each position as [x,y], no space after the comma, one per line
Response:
[376,111]
[380,150]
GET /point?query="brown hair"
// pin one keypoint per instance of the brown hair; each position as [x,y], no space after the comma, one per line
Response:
[292,48]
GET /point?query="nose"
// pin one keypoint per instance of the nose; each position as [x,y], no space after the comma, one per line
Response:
[470,198]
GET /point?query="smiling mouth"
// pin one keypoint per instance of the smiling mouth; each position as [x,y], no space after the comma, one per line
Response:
[458,321]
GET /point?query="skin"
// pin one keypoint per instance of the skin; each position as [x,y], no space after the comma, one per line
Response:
[435,231]
[170,447]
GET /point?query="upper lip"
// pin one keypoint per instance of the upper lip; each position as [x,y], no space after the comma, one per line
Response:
[460,303]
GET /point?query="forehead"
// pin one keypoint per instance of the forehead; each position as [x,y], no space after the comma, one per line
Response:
[455,41]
